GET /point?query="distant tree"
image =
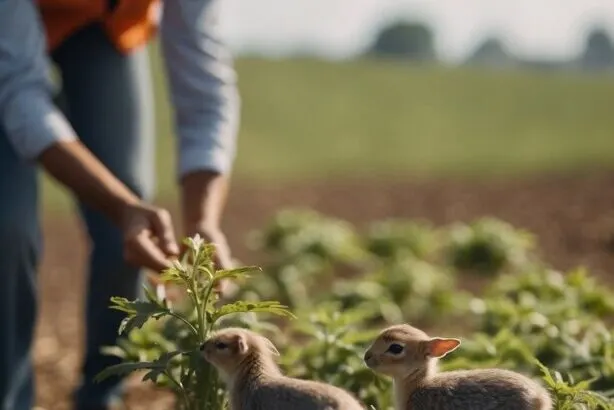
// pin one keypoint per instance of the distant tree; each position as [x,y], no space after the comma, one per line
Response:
[491,52]
[407,40]
[599,50]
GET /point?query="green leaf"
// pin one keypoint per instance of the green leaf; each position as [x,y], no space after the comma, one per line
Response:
[138,312]
[236,273]
[161,366]
[171,275]
[546,373]
[125,368]
[241,307]
[113,351]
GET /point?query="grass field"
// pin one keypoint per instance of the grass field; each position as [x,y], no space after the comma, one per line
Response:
[305,119]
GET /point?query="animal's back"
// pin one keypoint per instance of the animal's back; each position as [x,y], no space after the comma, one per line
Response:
[295,394]
[487,389]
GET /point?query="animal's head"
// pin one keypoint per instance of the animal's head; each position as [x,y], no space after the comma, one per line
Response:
[227,349]
[401,350]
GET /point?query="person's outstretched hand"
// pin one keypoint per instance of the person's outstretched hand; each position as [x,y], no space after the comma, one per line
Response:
[149,238]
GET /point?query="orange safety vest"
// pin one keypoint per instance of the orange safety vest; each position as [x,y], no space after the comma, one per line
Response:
[129,25]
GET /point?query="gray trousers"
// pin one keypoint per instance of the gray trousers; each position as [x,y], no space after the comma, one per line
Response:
[108,99]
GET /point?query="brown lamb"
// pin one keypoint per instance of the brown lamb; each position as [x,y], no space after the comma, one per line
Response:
[245,361]
[410,357]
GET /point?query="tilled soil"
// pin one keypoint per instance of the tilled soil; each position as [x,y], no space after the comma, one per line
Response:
[572,216]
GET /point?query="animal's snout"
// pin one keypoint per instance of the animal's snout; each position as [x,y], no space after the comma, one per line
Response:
[368,356]
[202,347]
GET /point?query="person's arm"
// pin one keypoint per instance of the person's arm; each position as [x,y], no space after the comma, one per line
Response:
[203,89]
[38,131]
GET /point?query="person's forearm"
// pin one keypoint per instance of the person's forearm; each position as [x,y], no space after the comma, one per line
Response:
[203,200]
[72,164]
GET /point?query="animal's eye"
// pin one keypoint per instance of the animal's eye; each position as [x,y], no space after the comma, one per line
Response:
[220,345]
[395,348]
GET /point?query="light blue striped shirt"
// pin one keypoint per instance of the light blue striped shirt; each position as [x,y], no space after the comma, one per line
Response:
[201,76]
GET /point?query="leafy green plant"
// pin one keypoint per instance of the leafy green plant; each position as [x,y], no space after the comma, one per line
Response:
[305,248]
[569,395]
[488,246]
[175,362]
[577,288]
[328,344]
[558,316]
[390,268]
[404,289]
[301,233]
[502,350]
[392,239]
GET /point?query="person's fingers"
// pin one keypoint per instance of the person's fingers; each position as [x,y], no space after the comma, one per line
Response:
[221,256]
[223,259]
[142,251]
[220,287]
[154,279]
[162,225]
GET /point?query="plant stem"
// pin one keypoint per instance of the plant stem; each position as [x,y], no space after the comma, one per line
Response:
[201,319]
[192,286]
[186,321]
[203,308]
[179,386]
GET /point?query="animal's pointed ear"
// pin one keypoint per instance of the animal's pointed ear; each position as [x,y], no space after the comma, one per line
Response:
[272,347]
[269,345]
[242,344]
[439,346]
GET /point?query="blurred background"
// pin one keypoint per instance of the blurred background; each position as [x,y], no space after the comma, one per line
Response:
[440,110]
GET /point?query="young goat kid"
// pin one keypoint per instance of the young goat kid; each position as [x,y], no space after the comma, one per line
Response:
[245,361]
[410,357]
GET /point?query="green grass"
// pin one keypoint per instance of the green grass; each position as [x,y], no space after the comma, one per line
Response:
[310,119]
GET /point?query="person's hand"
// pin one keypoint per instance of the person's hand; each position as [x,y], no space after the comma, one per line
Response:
[149,238]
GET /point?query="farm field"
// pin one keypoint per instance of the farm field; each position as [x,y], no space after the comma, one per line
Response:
[366,141]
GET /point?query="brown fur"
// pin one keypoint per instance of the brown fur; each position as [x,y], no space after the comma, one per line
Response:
[245,360]
[412,363]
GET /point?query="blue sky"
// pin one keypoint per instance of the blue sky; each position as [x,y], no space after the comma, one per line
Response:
[341,28]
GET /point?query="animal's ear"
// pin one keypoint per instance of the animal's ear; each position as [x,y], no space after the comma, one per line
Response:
[439,346]
[271,346]
[242,344]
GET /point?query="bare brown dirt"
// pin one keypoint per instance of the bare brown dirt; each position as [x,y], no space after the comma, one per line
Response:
[572,216]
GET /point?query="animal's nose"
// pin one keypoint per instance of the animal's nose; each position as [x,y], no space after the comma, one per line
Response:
[367,356]
[201,347]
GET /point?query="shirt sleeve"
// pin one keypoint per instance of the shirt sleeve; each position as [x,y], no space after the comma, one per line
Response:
[202,85]
[27,113]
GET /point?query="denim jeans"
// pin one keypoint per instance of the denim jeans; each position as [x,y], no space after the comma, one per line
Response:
[108,98]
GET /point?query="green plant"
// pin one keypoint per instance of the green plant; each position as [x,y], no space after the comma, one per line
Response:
[558,317]
[391,267]
[577,288]
[503,350]
[569,395]
[305,248]
[398,238]
[303,233]
[405,288]
[175,362]
[488,246]
[328,344]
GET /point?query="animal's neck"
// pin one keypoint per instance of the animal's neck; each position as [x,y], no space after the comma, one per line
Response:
[406,385]
[255,369]
[252,372]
